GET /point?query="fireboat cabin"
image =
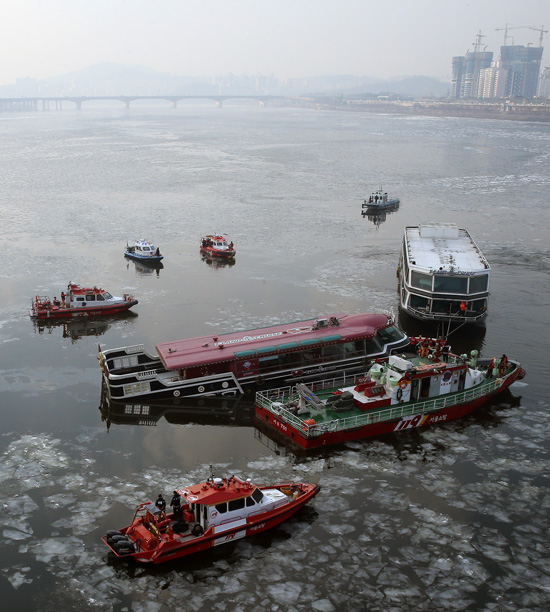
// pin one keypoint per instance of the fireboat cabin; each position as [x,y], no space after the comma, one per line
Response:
[443,275]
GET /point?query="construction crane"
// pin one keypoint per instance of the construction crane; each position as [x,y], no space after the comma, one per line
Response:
[542,32]
[477,44]
[506,36]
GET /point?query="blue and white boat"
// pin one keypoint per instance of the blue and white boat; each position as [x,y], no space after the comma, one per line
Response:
[144,252]
[379,201]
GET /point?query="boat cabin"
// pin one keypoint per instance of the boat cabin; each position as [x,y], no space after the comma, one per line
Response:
[82,297]
[443,275]
[399,380]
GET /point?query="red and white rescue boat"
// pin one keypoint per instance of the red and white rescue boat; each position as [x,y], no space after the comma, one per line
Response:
[211,513]
[217,246]
[397,393]
[80,302]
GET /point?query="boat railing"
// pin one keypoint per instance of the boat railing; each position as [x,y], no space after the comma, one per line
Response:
[374,416]
[426,314]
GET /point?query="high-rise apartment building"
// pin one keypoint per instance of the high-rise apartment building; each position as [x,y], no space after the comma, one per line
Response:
[523,67]
[516,74]
[544,83]
[492,81]
[466,72]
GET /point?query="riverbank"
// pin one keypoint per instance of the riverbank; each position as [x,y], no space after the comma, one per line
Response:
[473,110]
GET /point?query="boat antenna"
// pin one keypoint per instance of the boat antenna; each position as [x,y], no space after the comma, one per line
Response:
[211,472]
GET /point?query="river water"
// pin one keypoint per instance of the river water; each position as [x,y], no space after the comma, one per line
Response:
[449,518]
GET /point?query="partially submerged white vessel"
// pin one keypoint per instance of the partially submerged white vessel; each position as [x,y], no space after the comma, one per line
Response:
[443,275]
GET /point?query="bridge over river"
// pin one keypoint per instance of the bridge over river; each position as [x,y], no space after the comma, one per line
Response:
[56,102]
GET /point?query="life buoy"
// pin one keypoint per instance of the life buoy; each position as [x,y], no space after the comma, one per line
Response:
[403,384]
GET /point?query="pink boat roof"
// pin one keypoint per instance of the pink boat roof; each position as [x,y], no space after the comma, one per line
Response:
[204,350]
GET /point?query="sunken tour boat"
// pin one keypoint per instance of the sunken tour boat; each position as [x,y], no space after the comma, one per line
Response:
[237,362]
[394,394]
[80,302]
[443,275]
[208,514]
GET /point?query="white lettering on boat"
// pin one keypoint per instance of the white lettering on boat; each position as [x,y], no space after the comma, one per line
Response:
[280,425]
[248,338]
[410,423]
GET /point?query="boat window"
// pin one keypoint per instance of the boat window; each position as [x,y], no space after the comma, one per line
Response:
[268,363]
[289,360]
[90,297]
[236,504]
[221,508]
[445,307]
[80,299]
[99,297]
[372,346]
[389,334]
[479,283]
[250,501]
[451,284]
[421,281]
[311,356]
[354,348]
[107,295]
[257,495]
[333,352]
[248,353]
[417,301]
[479,305]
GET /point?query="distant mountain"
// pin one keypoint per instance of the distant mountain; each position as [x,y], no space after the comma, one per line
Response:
[354,86]
[109,79]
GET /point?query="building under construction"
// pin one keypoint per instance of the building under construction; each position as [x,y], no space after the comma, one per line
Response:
[516,74]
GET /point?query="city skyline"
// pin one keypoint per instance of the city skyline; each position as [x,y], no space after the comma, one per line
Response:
[287,39]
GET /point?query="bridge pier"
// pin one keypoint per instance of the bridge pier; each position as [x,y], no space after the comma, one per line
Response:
[219,104]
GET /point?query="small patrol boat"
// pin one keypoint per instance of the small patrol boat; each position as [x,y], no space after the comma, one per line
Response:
[205,515]
[144,252]
[379,201]
[396,393]
[80,302]
[217,246]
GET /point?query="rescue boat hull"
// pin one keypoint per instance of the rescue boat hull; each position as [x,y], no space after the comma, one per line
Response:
[153,547]
[56,312]
[299,435]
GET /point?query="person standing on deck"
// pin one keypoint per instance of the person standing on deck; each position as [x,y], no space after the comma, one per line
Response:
[161,503]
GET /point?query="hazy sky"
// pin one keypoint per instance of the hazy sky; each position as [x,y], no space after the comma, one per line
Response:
[286,38]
